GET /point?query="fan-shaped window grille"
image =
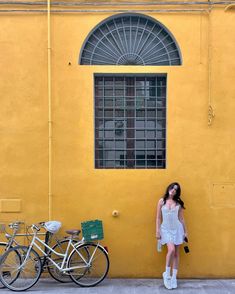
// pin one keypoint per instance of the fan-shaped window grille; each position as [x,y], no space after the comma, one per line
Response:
[130,40]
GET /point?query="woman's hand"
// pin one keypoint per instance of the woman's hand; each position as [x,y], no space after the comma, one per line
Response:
[158,235]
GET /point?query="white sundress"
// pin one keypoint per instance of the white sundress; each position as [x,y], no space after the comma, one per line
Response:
[172,230]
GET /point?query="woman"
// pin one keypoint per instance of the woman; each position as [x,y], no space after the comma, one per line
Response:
[171,230]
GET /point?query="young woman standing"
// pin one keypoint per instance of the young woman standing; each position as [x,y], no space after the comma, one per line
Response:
[171,230]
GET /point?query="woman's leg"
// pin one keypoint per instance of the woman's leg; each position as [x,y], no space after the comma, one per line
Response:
[176,257]
[169,260]
[170,254]
[175,267]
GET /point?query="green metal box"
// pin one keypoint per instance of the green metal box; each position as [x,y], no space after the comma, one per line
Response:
[92,230]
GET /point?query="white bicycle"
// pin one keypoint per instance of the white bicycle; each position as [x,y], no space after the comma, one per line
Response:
[86,263]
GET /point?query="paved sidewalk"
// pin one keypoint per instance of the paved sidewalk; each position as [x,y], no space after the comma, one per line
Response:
[135,286]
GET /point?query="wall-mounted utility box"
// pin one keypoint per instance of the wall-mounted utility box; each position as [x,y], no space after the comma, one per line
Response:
[223,195]
[10,205]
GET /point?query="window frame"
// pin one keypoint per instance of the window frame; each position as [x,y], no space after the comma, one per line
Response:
[135,129]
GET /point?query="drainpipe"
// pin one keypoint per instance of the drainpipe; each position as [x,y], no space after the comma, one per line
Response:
[49,110]
[211,113]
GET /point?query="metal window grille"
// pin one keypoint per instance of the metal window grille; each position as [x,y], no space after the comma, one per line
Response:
[130,121]
[130,40]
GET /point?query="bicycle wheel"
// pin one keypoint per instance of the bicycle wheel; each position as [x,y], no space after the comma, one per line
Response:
[20,269]
[3,247]
[56,274]
[88,270]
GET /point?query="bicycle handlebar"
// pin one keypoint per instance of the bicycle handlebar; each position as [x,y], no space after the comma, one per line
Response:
[38,226]
[15,225]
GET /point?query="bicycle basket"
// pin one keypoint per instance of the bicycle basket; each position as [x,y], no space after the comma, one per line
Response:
[52,226]
[92,230]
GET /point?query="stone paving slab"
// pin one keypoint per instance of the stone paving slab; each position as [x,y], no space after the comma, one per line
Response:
[135,286]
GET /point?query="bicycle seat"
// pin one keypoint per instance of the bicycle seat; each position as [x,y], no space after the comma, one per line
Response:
[73,232]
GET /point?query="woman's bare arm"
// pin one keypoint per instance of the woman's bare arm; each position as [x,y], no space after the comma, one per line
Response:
[181,218]
[159,218]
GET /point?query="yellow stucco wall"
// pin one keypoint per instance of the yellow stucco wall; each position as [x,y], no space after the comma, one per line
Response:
[199,156]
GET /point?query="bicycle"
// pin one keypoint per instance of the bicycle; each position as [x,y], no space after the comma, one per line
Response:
[60,244]
[86,263]
[15,226]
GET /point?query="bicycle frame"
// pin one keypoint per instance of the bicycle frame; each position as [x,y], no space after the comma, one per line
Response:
[65,256]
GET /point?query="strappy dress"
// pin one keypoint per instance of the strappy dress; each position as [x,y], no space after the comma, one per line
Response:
[172,230]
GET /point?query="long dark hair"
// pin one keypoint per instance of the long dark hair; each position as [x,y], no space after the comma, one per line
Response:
[176,197]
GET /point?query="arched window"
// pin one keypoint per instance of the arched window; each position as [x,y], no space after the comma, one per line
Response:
[132,39]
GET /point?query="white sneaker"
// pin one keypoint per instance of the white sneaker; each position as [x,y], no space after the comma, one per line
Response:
[173,283]
[167,281]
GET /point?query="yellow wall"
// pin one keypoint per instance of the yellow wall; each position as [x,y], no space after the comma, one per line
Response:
[199,156]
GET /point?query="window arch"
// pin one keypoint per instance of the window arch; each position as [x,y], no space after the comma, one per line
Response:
[130,39]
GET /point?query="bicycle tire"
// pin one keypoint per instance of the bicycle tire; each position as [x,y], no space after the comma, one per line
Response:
[3,246]
[53,271]
[91,272]
[20,278]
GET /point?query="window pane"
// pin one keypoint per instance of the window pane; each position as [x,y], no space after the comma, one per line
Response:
[151,134]
[140,144]
[108,113]
[119,133]
[99,102]
[119,144]
[109,163]
[140,113]
[101,134]
[140,154]
[99,112]
[151,163]
[120,155]
[151,102]
[108,102]
[108,81]
[108,92]
[119,92]
[119,102]
[140,92]
[140,102]
[100,123]
[109,154]
[140,134]
[119,82]
[151,144]
[108,124]
[119,113]
[100,144]
[140,123]
[151,113]
[108,134]
[109,144]
[99,81]
[151,124]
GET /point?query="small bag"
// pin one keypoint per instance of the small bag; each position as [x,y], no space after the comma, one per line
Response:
[186,249]
[159,246]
